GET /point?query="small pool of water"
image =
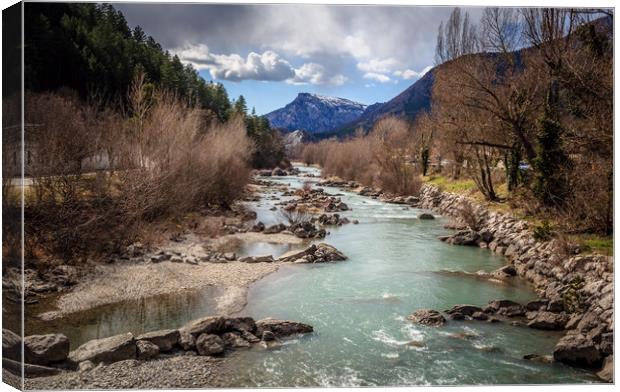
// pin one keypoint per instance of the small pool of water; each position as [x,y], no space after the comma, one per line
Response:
[139,316]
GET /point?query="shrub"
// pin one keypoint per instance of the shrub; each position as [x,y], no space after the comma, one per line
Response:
[543,232]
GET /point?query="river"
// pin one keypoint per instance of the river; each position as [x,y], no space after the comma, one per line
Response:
[359,307]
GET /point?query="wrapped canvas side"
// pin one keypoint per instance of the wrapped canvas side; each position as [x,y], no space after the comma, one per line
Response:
[12,197]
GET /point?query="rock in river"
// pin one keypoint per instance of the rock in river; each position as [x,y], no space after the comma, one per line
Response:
[466,310]
[428,317]
[281,328]
[106,350]
[46,349]
[577,350]
[548,320]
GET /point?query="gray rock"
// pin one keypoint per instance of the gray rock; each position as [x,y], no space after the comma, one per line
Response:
[426,216]
[46,349]
[575,349]
[146,349]
[536,305]
[465,310]
[234,340]
[187,341]
[549,321]
[230,256]
[281,328]
[240,324]
[165,339]
[294,255]
[106,350]
[206,325]
[428,317]
[209,344]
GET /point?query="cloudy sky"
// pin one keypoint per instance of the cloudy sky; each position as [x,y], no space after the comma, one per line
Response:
[269,53]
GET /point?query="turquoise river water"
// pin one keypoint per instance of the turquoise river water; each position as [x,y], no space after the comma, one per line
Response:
[358,309]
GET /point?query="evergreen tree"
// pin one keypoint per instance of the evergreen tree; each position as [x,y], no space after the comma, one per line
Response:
[550,163]
[241,106]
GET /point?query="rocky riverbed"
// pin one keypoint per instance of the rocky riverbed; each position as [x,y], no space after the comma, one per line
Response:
[188,261]
[176,358]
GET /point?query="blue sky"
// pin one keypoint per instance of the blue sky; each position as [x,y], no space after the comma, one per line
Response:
[270,53]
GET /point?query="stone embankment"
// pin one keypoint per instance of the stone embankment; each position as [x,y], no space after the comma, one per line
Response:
[47,355]
[576,290]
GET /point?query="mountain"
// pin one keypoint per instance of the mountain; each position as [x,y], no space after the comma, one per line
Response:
[414,100]
[315,113]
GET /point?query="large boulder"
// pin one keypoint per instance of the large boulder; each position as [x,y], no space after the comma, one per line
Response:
[11,345]
[282,328]
[46,349]
[209,325]
[294,255]
[577,350]
[428,317]
[209,344]
[106,350]
[549,320]
[328,253]
[165,339]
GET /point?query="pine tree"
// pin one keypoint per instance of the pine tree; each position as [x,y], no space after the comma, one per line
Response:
[241,106]
[550,163]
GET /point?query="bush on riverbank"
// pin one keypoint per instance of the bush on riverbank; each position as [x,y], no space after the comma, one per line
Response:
[99,176]
[382,158]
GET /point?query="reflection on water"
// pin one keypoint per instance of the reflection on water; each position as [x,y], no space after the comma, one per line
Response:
[149,314]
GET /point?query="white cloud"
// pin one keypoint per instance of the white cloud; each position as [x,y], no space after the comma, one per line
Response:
[356,46]
[378,65]
[378,77]
[256,66]
[266,66]
[313,73]
[411,74]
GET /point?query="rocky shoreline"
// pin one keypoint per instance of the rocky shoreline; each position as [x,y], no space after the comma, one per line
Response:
[576,290]
[48,359]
